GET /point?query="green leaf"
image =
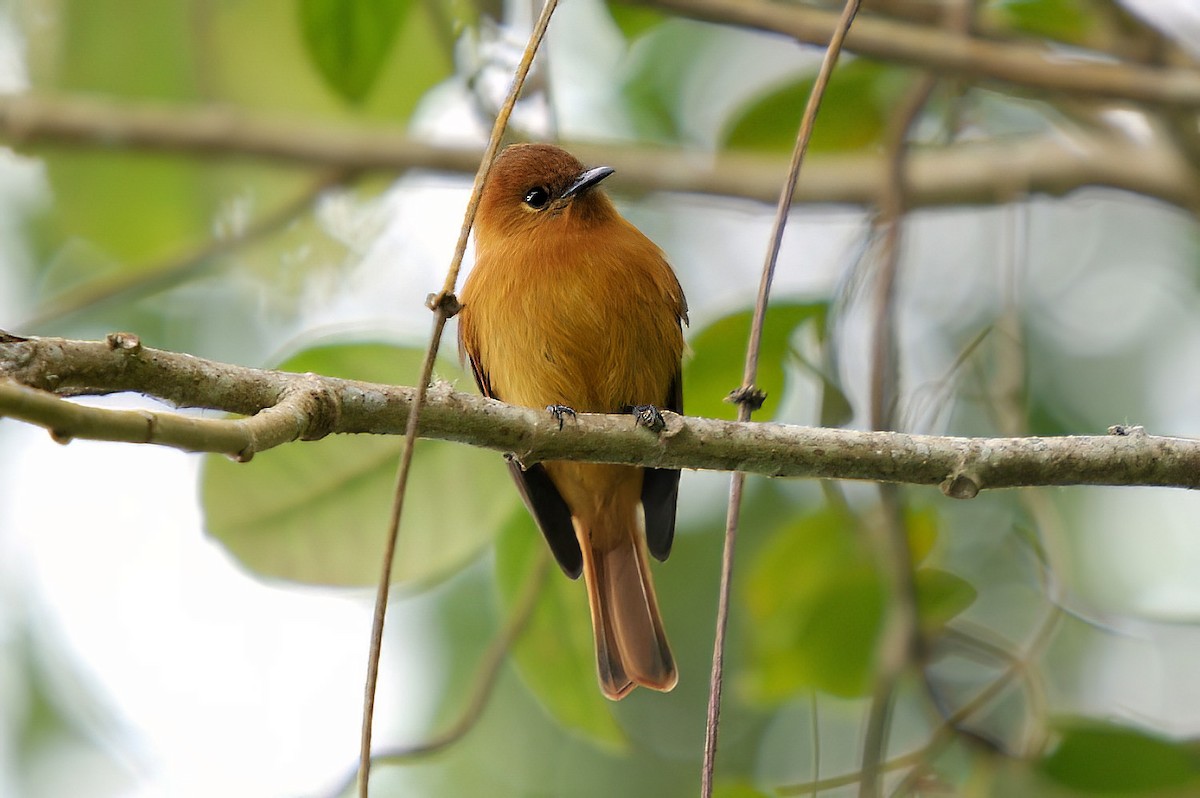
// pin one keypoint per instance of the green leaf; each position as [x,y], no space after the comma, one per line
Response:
[941,596]
[660,64]
[815,602]
[317,512]
[1096,757]
[117,213]
[921,525]
[720,352]
[111,208]
[348,40]
[737,789]
[251,67]
[555,655]
[835,405]
[853,113]
[634,20]
[154,58]
[1064,20]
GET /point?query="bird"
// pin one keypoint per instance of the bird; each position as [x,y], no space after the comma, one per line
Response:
[569,307]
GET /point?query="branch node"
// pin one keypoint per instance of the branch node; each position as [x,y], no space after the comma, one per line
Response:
[673,424]
[58,436]
[445,303]
[748,395]
[1127,432]
[960,486]
[151,425]
[322,410]
[125,342]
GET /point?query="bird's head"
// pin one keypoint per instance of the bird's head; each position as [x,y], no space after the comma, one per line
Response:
[540,187]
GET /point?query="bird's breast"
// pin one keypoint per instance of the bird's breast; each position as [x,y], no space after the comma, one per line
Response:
[590,327]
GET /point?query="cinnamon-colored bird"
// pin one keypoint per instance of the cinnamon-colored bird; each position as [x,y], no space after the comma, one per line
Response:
[569,307]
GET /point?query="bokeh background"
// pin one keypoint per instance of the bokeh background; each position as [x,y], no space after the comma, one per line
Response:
[172,624]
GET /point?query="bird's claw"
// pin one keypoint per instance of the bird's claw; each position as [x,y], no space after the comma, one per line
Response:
[648,416]
[560,412]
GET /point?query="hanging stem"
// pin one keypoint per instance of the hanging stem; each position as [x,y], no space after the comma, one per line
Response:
[444,305]
[749,398]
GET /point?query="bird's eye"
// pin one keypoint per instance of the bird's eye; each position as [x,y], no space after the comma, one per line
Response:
[537,198]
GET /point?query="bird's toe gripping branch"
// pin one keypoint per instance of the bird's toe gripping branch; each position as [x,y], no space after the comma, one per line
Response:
[650,417]
[560,412]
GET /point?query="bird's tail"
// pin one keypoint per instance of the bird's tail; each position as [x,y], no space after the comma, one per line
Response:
[631,647]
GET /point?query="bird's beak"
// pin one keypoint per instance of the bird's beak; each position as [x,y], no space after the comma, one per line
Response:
[586,180]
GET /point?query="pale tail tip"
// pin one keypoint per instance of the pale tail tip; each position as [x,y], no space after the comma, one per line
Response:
[665,684]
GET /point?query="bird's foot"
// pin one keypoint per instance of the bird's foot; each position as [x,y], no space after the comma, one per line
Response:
[560,412]
[648,416]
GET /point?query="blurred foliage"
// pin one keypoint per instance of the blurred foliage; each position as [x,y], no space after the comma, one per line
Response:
[654,75]
[815,599]
[737,790]
[809,593]
[120,217]
[349,41]
[716,368]
[555,656]
[869,93]
[127,208]
[1104,758]
[1064,20]
[55,716]
[312,513]
[815,602]
[633,20]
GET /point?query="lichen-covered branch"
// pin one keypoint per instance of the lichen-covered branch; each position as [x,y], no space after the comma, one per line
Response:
[277,407]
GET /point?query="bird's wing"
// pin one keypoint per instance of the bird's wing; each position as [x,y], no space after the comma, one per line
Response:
[660,490]
[551,513]
[545,503]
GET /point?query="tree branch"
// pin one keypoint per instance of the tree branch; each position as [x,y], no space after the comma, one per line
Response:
[1025,65]
[36,372]
[968,173]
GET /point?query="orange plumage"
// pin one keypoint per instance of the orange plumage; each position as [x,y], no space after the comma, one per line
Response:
[571,305]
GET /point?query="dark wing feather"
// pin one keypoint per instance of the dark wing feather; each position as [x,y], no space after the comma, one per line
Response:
[545,504]
[552,515]
[660,491]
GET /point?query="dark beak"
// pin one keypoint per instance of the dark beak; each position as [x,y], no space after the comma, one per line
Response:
[586,180]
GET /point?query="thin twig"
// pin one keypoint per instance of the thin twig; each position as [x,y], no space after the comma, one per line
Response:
[816,736]
[833,782]
[749,398]
[484,682]
[717,677]
[444,306]
[899,643]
